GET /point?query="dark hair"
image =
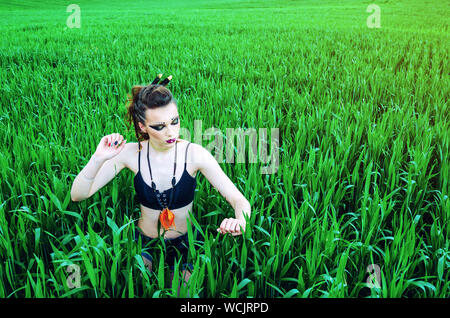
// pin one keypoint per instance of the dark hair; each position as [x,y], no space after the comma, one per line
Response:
[143,98]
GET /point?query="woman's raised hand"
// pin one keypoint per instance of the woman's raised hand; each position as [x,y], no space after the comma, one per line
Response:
[110,146]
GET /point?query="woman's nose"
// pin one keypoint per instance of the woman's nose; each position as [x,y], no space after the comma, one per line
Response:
[171,131]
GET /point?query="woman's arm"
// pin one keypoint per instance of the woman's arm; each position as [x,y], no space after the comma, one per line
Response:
[106,162]
[84,180]
[210,168]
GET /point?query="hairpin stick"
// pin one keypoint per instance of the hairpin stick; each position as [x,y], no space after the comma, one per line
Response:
[156,80]
[166,80]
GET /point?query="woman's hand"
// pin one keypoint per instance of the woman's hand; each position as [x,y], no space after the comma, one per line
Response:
[232,226]
[109,146]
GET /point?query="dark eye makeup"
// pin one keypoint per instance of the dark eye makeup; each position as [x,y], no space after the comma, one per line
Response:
[160,127]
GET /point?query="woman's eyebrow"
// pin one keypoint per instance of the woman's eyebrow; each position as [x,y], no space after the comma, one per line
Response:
[162,123]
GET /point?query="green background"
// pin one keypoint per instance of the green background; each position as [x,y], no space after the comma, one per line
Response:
[364,136]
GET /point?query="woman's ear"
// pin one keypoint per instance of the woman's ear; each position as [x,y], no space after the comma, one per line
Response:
[142,128]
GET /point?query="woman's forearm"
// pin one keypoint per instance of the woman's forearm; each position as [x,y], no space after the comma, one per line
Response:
[84,180]
[242,207]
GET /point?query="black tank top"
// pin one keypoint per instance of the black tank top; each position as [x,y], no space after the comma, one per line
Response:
[184,189]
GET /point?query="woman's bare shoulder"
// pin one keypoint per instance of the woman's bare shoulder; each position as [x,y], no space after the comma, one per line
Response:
[132,147]
[191,144]
[131,152]
[197,155]
[193,147]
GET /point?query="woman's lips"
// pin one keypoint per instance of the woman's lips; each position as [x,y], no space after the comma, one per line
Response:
[170,141]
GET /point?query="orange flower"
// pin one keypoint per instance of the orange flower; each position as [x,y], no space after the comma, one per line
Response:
[167,218]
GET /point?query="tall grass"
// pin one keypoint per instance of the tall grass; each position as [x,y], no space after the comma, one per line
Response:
[364,128]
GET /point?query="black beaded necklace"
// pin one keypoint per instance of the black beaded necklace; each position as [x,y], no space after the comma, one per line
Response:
[161,197]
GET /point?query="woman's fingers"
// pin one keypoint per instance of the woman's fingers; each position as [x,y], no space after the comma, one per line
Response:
[238,227]
[230,226]
[120,142]
[113,140]
[222,226]
[236,233]
[122,145]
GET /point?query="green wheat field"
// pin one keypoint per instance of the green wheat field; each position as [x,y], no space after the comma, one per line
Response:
[363,119]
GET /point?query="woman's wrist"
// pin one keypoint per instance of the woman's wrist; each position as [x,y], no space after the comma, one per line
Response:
[97,159]
[98,162]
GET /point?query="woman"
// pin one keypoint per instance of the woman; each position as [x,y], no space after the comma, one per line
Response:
[164,191]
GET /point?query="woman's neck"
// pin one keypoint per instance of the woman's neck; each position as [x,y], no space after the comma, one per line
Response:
[159,152]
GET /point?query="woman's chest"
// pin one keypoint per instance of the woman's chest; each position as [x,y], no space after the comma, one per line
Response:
[160,171]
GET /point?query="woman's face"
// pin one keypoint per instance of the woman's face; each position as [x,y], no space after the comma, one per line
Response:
[162,124]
